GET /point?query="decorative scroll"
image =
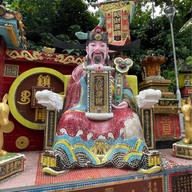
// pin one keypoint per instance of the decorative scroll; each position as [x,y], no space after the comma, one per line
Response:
[50,130]
[68,60]
[99,96]
[147,122]
[118,16]
[14,54]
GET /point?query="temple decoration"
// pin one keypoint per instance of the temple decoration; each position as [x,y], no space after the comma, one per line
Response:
[4,120]
[183,148]
[151,67]
[187,111]
[99,94]
[12,28]
[185,83]
[22,97]
[48,50]
[14,54]
[68,59]
[161,122]
[35,56]
[185,78]
[53,103]
[118,16]
[10,163]
[100,125]
[23,73]
[122,67]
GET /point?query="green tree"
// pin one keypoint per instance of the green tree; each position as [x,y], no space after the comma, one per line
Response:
[155,35]
[60,18]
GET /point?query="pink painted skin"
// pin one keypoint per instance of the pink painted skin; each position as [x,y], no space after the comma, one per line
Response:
[97,52]
[122,105]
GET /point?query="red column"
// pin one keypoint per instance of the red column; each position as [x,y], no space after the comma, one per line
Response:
[2,65]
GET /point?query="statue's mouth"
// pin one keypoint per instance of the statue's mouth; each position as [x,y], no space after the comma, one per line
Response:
[97,56]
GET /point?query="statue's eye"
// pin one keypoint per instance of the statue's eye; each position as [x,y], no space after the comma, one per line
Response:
[92,44]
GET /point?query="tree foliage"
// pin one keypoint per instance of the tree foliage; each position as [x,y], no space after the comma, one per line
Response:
[62,18]
[155,35]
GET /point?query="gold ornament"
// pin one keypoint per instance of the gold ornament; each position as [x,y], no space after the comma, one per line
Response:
[9,127]
[4,120]
[22,142]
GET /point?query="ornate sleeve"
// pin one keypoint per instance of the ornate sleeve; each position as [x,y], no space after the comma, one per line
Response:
[128,95]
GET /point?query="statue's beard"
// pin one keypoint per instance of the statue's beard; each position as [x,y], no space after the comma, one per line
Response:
[98,58]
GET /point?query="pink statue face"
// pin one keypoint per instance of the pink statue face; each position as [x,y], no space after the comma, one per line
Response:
[97,52]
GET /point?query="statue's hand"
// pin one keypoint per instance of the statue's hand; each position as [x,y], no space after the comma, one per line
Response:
[49,99]
[98,68]
[122,105]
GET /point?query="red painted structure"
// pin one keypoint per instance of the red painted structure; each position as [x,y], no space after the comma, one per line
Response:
[26,60]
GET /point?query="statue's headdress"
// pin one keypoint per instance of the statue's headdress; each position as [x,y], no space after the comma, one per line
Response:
[97,35]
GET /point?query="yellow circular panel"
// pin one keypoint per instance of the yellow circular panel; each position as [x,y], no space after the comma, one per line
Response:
[9,128]
[22,142]
[13,103]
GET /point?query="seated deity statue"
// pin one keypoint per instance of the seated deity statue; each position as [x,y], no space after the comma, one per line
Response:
[100,125]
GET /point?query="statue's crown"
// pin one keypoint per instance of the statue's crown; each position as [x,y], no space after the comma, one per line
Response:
[97,35]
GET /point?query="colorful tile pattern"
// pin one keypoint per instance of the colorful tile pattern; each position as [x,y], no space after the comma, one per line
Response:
[100,179]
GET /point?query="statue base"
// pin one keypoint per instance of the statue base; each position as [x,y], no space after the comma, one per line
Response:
[70,153]
[11,164]
[180,149]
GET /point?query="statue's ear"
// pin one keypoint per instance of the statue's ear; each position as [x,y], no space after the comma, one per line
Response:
[189,100]
[182,102]
[5,98]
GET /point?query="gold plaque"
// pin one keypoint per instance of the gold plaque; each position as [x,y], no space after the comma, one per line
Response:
[99,93]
